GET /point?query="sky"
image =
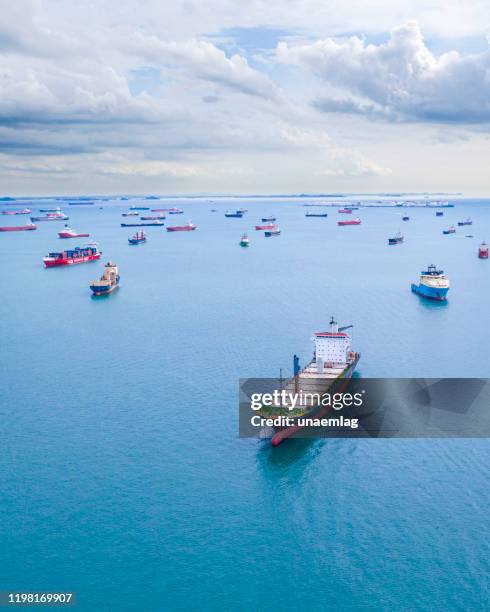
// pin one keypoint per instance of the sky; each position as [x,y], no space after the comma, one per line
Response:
[221,96]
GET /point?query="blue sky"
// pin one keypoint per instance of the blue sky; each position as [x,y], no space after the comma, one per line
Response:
[272,97]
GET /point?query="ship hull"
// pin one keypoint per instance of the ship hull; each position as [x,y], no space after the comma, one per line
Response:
[98,291]
[68,235]
[431,293]
[19,228]
[483,255]
[337,386]
[180,229]
[53,263]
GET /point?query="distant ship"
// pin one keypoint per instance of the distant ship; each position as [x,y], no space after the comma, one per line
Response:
[405,218]
[130,214]
[238,214]
[466,222]
[244,241]
[153,218]
[269,226]
[81,203]
[189,227]
[272,232]
[483,251]
[18,228]
[397,239]
[175,211]
[24,211]
[54,216]
[329,371]
[143,224]
[71,233]
[434,284]
[266,219]
[313,214]
[138,238]
[108,281]
[77,255]
[350,222]
[345,211]
[451,230]
[50,210]
[140,207]
[439,213]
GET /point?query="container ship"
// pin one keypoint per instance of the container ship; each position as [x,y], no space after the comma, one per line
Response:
[189,227]
[68,232]
[18,228]
[89,252]
[329,371]
[108,282]
[350,222]
[433,285]
[483,251]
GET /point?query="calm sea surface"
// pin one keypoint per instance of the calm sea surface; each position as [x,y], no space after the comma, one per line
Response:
[123,478]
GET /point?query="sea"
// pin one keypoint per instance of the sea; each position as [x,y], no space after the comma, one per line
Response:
[123,476]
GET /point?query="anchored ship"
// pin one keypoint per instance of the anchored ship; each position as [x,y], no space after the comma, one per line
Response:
[312,214]
[54,216]
[350,222]
[397,239]
[439,213]
[434,284]
[483,250]
[143,224]
[451,230]
[108,281]
[24,211]
[345,211]
[138,238]
[89,252]
[465,222]
[269,226]
[405,218]
[329,371]
[268,219]
[244,241]
[18,228]
[275,231]
[238,214]
[71,233]
[182,228]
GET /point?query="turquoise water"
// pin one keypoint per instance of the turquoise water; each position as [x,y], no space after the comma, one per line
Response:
[123,476]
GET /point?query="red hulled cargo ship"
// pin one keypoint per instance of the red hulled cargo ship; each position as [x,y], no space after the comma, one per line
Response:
[483,251]
[18,228]
[89,252]
[350,222]
[182,228]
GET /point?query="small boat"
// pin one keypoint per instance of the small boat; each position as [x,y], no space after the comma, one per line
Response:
[71,233]
[130,214]
[312,214]
[143,224]
[269,226]
[139,208]
[272,232]
[51,217]
[466,222]
[108,281]
[405,218]
[155,218]
[350,222]
[397,239]
[345,211]
[244,241]
[18,228]
[451,230]
[238,214]
[182,228]
[89,252]
[483,250]
[433,284]
[24,211]
[271,219]
[138,238]
[439,213]
[175,211]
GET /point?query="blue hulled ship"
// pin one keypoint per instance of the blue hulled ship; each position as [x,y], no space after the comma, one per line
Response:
[434,284]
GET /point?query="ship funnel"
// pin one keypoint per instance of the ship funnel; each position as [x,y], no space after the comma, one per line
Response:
[334,326]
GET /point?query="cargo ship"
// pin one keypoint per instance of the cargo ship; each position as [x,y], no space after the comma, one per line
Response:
[71,233]
[175,211]
[138,238]
[483,250]
[345,211]
[244,241]
[50,210]
[329,371]
[77,255]
[238,214]
[268,219]
[272,232]
[189,227]
[269,226]
[312,214]
[153,218]
[397,239]
[18,228]
[451,230]
[54,216]
[81,203]
[433,285]
[130,214]
[107,282]
[139,208]
[24,211]
[350,222]
[143,224]
[466,222]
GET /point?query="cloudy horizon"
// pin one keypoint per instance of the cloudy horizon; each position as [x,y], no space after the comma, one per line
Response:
[261,97]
